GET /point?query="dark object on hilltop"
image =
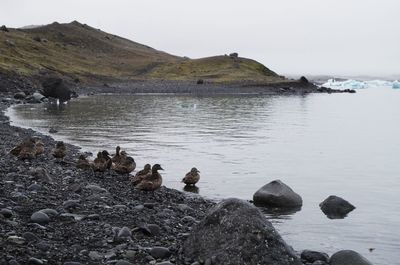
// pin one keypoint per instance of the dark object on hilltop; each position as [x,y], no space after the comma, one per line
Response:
[4,28]
[335,207]
[236,232]
[234,55]
[313,256]
[37,38]
[348,257]
[277,194]
[56,88]
[303,79]
[200,81]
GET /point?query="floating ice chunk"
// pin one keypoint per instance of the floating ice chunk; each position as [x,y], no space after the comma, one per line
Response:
[396,84]
[356,84]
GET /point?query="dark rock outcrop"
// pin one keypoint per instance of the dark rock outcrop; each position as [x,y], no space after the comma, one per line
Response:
[234,55]
[348,257]
[303,79]
[4,28]
[56,88]
[335,207]
[236,232]
[277,194]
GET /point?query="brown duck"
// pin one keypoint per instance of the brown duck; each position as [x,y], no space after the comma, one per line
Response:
[83,163]
[39,145]
[141,174]
[126,164]
[60,151]
[107,159]
[26,150]
[117,157]
[192,177]
[99,163]
[152,180]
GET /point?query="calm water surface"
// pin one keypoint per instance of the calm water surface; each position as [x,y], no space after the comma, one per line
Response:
[320,145]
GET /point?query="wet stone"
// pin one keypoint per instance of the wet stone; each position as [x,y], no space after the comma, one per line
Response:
[160,252]
[30,237]
[7,213]
[35,261]
[40,218]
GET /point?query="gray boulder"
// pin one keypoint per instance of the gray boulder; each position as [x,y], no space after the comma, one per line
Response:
[40,218]
[19,95]
[277,194]
[335,207]
[348,257]
[236,232]
[56,88]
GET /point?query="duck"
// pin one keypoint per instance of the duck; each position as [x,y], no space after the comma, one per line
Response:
[152,180]
[126,164]
[99,163]
[83,163]
[192,177]
[27,149]
[117,157]
[107,159]
[39,145]
[139,175]
[60,150]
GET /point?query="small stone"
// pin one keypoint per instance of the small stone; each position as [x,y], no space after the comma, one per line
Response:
[184,207]
[188,219]
[124,233]
[319,262]
[139,207]
[123,262]
[49,212]
[95,188]
[34,187]
[40,218]
[71,204]
[7,213]
[149,205]
[154,229]
[94,216]
[130,254]
[94,255]
[164,263]
[35,261]
[30,237]
[52,130]
[311,256]
[72,263]
[160,252]
[16,240]
[13,262]
[20,95]
[43,246]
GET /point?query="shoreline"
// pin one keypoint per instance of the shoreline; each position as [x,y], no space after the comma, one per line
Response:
[101,205]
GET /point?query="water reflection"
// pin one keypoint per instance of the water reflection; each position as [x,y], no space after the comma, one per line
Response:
[191,188]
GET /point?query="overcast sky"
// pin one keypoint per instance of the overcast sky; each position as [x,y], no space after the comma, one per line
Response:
[348,37]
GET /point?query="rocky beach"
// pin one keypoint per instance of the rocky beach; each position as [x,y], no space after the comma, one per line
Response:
[54,213]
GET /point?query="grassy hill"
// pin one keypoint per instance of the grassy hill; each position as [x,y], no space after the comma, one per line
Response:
[77,50]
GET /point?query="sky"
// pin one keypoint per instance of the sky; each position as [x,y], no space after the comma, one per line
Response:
[291,37]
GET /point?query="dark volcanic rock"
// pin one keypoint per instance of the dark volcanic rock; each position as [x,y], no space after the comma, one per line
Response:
[160,252]
[4,28]
[40,218]
[277,194]
[56,88]
[348,257]
[312,256]
[19,95]
[236,232]
[7,213]
[303,79]
[335,207]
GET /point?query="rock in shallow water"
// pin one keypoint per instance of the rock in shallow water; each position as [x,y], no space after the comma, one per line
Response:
[348,257]
[236,232]
[40,218]
[312,256]
[335,207]
[277,194]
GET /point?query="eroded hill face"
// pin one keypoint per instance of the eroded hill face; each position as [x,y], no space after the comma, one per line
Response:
[80,51]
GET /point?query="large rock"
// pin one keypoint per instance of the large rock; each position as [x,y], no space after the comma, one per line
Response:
[56,88]
[348,257]
[277,194]
[335,207]
[236,232]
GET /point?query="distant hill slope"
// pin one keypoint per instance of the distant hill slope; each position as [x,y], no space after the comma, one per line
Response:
[79,51]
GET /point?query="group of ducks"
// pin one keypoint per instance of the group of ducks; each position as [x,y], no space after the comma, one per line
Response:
[147,179]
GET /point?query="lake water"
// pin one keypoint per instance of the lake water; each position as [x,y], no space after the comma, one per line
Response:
[339,144]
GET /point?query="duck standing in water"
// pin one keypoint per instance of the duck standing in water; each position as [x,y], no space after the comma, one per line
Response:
[83,163]
[125,165]
[60,151]
[141,174]
[152,180]
[192,177]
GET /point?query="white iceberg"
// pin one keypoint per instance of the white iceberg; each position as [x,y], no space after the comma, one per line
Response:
[357,84]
